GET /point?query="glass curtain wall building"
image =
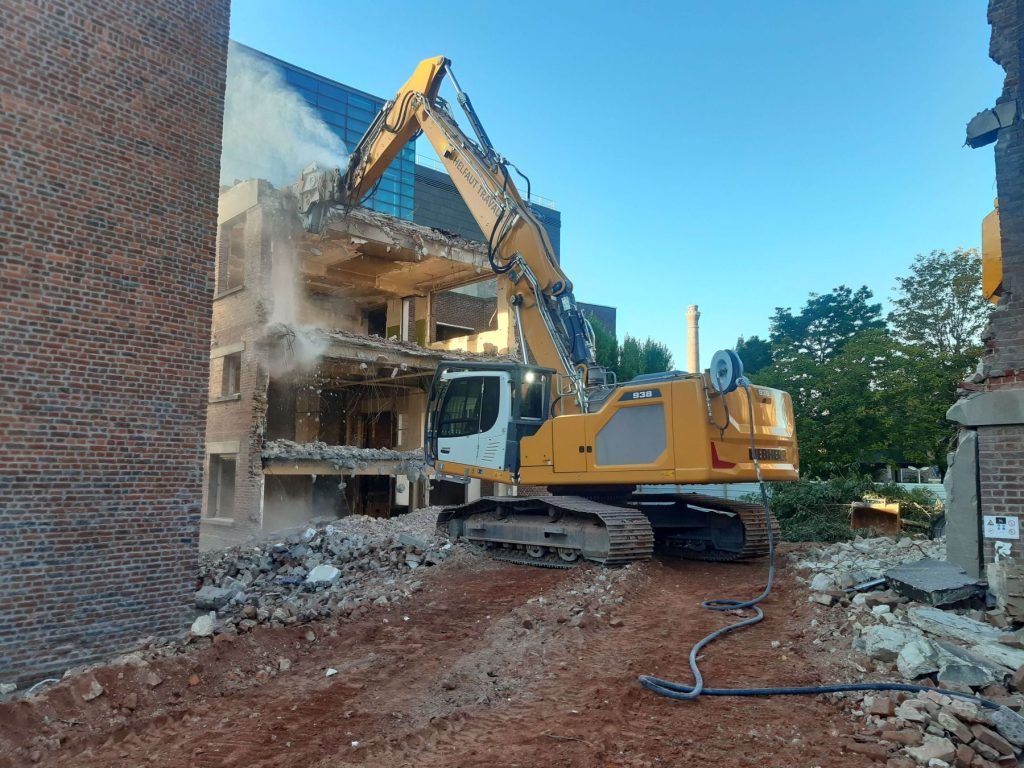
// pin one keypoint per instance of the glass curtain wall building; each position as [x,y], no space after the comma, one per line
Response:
[348,113]
[408,190]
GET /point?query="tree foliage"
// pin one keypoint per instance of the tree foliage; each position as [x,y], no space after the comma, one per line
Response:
[636,357]
[826,322]
[755,352]
[607,346]
[866,394]
[940,306]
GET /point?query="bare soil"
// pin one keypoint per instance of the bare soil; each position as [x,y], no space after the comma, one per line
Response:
[491,664]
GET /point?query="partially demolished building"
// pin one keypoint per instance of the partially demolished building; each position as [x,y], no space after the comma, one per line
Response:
[322,351]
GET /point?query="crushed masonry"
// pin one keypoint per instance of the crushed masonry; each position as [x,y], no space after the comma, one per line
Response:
[960,647]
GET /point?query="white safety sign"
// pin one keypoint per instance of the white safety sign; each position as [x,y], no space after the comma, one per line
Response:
[1001,527]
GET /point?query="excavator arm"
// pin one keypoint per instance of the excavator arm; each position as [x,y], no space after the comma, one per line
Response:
[518,247]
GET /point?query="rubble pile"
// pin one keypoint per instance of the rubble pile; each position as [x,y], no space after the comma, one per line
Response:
[938,731]
[842,565]
[964,649]
[329,570]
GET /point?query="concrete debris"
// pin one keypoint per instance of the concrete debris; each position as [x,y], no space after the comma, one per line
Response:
[933,748]
[205,625]
[334,341]
[848,563]
[1009,725]
[933,582]
[883,643]
[917,659]
[409,463]
[967,651]
[951,625]
[341,569]
[323,574]
[212,598]
[6,688]
[929,727]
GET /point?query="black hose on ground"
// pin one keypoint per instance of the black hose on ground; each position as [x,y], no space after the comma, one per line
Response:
[683,692]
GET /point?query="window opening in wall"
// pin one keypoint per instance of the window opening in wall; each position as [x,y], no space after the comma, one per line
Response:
[231,378]
[446,331]
[408,306]
[231,269]
[377,321]
[221,499]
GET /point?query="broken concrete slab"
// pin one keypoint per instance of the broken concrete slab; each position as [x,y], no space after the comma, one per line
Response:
[1003,655]
[213,598]
[323,574]
[951,625]
[883,643]
[934,582]
[1009,725]
[917,658]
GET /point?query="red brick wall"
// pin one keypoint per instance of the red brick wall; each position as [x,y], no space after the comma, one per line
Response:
[239,317]
[1001,477]
[1001,448]
[110,121]
[1005,334]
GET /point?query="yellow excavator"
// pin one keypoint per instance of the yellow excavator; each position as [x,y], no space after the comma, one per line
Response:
[557,418]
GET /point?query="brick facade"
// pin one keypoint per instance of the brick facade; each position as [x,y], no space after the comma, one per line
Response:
[110,134]
[1001,447]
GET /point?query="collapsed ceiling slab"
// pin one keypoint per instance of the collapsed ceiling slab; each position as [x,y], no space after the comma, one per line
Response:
[363,250]
[284,457]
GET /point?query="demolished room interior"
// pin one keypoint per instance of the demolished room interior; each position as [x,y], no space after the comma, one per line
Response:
[322,352]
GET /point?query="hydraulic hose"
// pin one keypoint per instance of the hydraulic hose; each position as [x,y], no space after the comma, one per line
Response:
[683,692]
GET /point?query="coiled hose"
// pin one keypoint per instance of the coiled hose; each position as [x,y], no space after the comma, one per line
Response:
[683,692]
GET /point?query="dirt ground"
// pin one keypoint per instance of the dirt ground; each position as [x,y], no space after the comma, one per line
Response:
[491,664]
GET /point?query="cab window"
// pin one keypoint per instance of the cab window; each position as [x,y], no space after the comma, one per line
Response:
[531,397]
[470,406]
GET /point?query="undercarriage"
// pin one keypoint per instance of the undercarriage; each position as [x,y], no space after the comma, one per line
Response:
[611,527]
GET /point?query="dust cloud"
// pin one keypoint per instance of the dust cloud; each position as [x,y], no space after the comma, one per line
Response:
[270,131]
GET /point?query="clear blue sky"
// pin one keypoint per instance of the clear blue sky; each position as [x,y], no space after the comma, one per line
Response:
[735,155]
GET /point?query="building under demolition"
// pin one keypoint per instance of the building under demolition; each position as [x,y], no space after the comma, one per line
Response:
[322,351]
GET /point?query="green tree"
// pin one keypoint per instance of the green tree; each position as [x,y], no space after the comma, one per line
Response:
[939,305]
[656,356]
[631,359]
[841,413]
[755,352]
[607,346]
[636,357]
[826,322]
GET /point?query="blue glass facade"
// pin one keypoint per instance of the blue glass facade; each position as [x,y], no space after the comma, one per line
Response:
[348,113]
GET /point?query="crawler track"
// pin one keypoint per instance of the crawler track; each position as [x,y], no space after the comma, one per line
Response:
[553,531]
[569,527]
[684,542]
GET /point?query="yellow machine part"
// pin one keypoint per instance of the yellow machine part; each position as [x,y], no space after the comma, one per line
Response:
[876,513]
[661,433]
[991,255]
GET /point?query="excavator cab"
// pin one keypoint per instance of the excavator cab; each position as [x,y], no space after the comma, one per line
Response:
[478,412]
